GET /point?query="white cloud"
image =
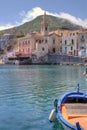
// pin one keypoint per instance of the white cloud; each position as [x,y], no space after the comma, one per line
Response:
[31,14]
[7,26]
[73,19]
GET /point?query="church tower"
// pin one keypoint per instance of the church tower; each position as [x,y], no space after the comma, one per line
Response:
[44,25]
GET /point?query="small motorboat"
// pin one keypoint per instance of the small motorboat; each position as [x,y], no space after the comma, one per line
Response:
[71,111]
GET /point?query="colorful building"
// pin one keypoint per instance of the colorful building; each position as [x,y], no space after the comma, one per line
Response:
[23,47]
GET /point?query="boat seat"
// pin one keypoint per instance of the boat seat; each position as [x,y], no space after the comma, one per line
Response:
[76,112]
[76,108]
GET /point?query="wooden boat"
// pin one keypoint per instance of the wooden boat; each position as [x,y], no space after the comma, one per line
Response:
[71,110]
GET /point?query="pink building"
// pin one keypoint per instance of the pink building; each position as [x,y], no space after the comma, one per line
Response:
[23,47]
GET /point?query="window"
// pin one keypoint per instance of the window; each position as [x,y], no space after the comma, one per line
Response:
[71,48]
[82,38]
[53,41]
[45,40]
[82,47]
[54,50]
[73,34]
[23,43]
[72,41]
[45,28]
[40,41]
[43,49]
[65,42]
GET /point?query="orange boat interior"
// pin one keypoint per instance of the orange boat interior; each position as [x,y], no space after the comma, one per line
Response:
[76,112]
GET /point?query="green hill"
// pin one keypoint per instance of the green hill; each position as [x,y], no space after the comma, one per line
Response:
[35,25]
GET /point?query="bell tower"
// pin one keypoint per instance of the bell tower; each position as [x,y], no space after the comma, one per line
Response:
[44,25]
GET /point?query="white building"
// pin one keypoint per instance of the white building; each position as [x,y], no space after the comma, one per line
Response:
[70,45]
[82,46]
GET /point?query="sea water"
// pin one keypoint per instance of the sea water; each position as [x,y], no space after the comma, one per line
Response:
[27,94]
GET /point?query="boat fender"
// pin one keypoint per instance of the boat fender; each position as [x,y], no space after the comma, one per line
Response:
[78,126]
[52,115]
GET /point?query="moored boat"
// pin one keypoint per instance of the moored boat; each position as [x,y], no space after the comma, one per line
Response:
[71,111]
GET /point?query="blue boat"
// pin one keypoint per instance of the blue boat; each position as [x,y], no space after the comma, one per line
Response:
[71,111]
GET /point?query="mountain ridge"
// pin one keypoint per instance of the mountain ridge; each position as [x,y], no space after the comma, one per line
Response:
[35,25]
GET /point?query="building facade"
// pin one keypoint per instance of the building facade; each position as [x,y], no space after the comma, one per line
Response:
[75,43]
[82,46]
[23,47]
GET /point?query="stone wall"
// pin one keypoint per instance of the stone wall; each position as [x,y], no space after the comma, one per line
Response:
[58,59]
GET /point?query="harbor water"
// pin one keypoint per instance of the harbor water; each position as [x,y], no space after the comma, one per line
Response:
[27,94]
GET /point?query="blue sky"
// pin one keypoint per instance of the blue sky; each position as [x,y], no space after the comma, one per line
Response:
[16,12]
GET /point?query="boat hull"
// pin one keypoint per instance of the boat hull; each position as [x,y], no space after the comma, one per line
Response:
[64,126]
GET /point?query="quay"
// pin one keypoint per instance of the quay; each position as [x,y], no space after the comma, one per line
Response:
[56,59]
